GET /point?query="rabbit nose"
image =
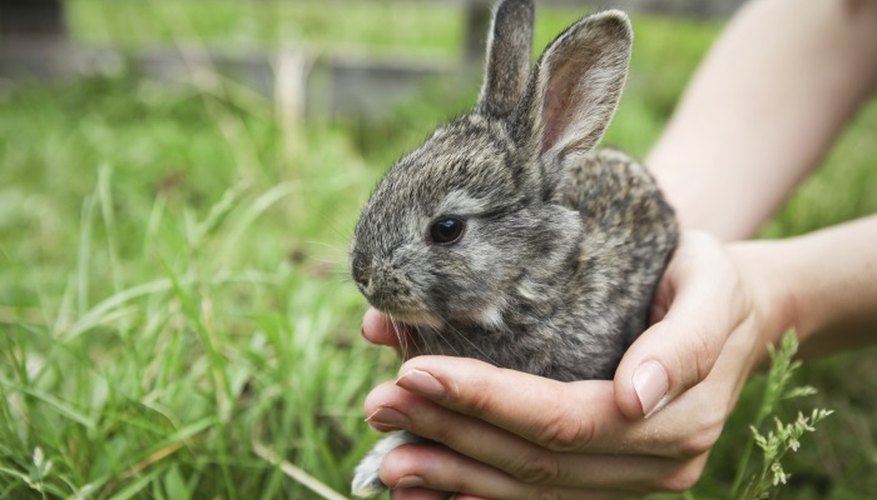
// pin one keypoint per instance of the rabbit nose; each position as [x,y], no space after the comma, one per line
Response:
[380,290]
[364,283]
[361,274]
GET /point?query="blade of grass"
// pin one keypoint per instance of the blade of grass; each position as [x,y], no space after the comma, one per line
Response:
[105,199]
[134,488]
[95,316]
[59,405]
[221,386]
[305,479]
[82,267]
[178,440]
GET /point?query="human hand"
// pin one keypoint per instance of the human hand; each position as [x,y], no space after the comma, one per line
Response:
[507,434]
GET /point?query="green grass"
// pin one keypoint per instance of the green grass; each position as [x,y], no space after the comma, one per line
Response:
[163,307]
[386,27]
[172,263]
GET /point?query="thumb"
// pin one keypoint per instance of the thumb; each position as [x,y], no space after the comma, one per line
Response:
[680,350]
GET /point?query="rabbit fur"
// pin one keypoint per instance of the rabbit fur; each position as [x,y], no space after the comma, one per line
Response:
[562,246]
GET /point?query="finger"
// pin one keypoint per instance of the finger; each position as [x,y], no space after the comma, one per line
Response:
[438,468]
[583,495]
[377,328]
[680,350]
[543,411]
[581,416]
[418,494]
[392,408]
[565,417]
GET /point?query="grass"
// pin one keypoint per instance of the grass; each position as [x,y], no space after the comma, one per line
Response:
[174,311]
[164,309]
[426,29]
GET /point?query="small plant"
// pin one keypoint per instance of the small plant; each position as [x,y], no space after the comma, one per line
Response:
[761,480]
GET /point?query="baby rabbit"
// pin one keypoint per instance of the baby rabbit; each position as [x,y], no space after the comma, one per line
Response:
[504,237]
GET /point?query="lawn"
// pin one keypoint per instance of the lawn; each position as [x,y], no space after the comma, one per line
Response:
[173,285]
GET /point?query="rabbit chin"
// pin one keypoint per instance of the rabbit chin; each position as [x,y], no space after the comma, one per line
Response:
[489,317]
[415,317]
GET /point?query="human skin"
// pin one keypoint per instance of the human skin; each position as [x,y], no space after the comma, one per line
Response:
[763,109]
[756,119]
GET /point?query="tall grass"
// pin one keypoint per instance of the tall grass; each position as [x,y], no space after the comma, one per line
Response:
[184,309]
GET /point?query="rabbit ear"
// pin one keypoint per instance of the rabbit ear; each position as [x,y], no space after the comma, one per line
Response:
[575,87]
[509,45]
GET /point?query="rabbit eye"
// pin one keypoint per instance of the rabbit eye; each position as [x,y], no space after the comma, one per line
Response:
[446,230]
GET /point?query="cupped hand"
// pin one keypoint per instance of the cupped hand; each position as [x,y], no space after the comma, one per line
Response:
[505,434]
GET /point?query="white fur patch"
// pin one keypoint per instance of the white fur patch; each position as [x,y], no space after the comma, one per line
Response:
[367,477]
[525,291]
[490,317]
[418,318]
[459,202]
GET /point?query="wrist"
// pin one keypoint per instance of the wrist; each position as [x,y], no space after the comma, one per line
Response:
[770,283]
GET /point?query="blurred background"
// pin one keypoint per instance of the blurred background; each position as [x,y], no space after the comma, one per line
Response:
[178,184]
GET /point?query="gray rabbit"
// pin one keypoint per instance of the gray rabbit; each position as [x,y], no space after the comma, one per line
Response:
[504,237]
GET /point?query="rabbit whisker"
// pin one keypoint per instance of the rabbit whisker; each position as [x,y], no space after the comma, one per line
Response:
[401,337]
[438,333]
[474,346]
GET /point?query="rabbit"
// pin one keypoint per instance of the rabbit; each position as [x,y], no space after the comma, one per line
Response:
[505,237]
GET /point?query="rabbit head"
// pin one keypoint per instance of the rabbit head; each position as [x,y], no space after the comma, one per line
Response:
[470,214]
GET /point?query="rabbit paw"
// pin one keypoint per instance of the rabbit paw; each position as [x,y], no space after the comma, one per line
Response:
[367,477]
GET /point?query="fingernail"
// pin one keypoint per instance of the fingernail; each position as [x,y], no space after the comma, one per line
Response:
[651,383]
[422,383]
[410,482]
[387,419]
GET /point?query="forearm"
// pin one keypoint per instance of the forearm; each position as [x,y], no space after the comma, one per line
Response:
[763,109]
[835,285]
[824,284]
